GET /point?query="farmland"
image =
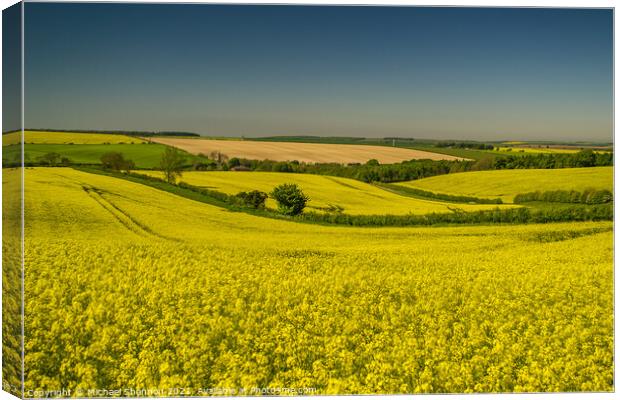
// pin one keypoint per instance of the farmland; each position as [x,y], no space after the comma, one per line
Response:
[303,152]
[45,137]
[153,286]
[253,302]
[505,184]
[144,155]
[326,192]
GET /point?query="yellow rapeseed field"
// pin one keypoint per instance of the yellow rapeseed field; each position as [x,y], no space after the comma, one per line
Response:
[353,197]
[11,281]
[44,137]
[536,150]
[131,287]
[508,183]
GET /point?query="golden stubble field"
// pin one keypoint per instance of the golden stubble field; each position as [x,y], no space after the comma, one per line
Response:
[303,152]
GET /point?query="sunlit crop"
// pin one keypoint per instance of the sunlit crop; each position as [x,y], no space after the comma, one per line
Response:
[508,183]
[11,281]
[539,150]
[326,192]
[131,287]
[44,137]
[535,150]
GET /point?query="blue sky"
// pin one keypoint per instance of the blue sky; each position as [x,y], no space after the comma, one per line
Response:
[477,73]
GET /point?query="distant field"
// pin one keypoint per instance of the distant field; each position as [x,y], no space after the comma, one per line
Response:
[44,137]
[463,153]
[414,144]
[325,191]
[305,152]
[535,150]
[508,183]
[144,155]
[544,150]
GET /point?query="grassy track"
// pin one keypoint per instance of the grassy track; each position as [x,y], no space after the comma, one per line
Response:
[505,184]
[325,192]
[154,290]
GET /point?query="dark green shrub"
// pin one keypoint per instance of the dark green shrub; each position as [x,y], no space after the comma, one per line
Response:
[253,199]
[116,161]
[291,200]
[49,158]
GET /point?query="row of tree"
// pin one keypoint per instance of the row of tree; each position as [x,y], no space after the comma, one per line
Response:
[373,171]
[583,158]
[465,145]
[589,196]
[513,215]
[404,190]
[127,133]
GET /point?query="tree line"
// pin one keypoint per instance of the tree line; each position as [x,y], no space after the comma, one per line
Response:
[372,171]
[414,192]
[522,215]
[583,158]
[118,132]
[589,196]
[465,145]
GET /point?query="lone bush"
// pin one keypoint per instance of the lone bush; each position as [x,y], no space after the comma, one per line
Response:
[116,161]
[171,164]
[291,200]
[49,158]
[253,199]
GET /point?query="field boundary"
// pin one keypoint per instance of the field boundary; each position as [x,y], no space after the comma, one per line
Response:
[426,195]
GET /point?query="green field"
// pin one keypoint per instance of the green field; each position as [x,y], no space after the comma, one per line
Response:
[144,155]
[505,184]
[128,286]
[47,137]
[326,192]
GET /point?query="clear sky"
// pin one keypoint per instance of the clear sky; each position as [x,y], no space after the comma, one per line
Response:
[446,73]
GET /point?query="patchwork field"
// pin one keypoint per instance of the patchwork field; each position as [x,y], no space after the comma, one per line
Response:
[303,152]
[326,192]
[144,155]
[128,286]
[505,184]
[45,137]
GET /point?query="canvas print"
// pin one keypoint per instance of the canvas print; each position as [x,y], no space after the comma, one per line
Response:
[243,200]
